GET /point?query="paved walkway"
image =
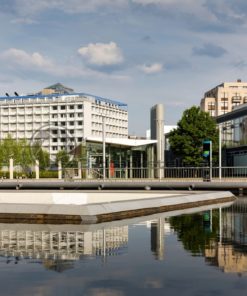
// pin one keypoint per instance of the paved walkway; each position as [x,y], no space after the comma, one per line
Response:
[125,184]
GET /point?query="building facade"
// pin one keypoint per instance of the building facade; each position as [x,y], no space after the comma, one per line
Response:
[61,121]
[224,97]
[233,129]
[48,244]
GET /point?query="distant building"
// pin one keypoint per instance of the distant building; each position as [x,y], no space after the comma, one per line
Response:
[167,129]
[57,88]
[224,97]
[59,249]
[234,136]
[61,120]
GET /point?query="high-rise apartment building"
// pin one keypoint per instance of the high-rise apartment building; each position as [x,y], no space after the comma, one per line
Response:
[61,121]
[224,97]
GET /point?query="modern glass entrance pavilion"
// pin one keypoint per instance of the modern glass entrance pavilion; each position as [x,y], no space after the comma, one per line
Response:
[124,158]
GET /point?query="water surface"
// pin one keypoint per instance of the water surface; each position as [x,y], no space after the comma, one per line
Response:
[204,253]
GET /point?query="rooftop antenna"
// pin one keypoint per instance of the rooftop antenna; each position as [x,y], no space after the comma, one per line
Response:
[16,94]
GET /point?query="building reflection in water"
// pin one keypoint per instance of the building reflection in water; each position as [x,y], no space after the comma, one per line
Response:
[157,238]
[219,234]
[229,253]
[57,250]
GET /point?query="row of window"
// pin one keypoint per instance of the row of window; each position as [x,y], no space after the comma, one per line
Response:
[97,118]
[70,123]
[69,115]
[109,112]
[108,118]
[43,108]
[62,132]
[237,86]
[116,129]
[55,148]
[63,123]
[109,126]
[55,140]
[40,118]
[67,107]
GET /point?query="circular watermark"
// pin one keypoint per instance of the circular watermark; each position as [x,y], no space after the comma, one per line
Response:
[51,138]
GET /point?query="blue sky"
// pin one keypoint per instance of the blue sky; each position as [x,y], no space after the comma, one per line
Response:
[141,52]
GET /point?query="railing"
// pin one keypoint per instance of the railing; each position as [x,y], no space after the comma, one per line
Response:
[204,172]
[127,173]
[165,173]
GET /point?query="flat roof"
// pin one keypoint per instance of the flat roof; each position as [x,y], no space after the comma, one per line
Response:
[236,113]
[37,96]
[122,141]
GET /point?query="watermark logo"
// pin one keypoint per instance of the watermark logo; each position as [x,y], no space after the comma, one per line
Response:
[51,138]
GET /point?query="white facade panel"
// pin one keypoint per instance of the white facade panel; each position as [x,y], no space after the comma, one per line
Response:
[61,121]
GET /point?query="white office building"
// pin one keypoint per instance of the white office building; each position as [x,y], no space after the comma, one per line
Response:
[61,121]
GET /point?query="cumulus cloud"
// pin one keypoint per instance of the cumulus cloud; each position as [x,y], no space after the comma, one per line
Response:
[151,68]
[209,50]
[21,57]
[18,60]
[102,54]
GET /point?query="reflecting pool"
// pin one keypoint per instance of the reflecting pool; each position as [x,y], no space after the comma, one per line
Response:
[201,253]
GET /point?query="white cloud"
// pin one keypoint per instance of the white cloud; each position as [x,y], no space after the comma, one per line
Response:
[152,68]
[31,7]
[102,54]
[22,58]
[21,61]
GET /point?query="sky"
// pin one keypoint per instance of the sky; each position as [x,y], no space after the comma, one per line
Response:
[140,52]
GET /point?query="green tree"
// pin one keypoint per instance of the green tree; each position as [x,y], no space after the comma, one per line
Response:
[24,154]
[9,149]
[41,155]
[64,157]
[193,128]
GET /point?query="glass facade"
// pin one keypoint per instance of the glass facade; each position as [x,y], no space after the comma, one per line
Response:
[234,132]
[121,161]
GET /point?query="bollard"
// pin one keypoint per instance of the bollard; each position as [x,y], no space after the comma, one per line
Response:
[11,168]
[59,170]
[79,170]
[36,169]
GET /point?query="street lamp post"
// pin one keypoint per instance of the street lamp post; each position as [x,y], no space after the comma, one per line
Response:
[103,142]
[220,153]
